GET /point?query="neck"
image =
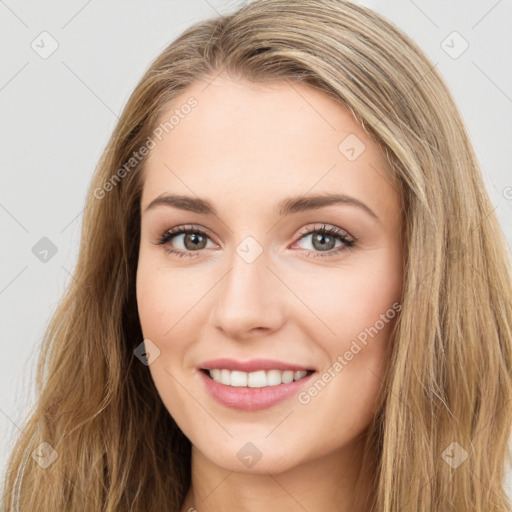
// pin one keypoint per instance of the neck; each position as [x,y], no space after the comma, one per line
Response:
[333,483]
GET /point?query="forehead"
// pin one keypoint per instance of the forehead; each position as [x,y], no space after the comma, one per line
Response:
[255,142]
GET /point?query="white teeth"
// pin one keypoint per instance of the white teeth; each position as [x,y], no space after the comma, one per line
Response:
[287,377]
[299,375]
[273,377]
[225,377]
[238,379]
[258,379]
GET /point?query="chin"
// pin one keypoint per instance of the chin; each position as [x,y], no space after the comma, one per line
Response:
[248,457]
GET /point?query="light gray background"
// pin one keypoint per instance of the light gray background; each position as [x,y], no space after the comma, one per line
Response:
[57,114]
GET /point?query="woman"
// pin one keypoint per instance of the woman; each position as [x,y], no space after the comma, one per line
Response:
[291,292]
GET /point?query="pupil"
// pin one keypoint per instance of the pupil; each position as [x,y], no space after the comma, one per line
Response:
[195,240]
[320,239]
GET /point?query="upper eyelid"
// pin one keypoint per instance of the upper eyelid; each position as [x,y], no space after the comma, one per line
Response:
[328,227]
[178,230]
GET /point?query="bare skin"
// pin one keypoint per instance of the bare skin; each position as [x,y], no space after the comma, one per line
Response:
[245,148]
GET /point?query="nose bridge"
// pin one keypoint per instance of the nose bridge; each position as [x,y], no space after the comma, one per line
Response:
[246,298]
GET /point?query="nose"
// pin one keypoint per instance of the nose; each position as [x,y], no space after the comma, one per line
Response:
[248,301]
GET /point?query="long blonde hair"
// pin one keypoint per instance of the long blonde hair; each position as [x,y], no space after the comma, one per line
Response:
[447,393]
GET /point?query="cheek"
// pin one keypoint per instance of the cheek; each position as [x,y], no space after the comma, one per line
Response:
[357,308]
[162,311]
[357,318]
[171,304]
[343,302]
[164,299]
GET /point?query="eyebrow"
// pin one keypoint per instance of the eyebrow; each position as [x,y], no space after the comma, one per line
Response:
[284,207]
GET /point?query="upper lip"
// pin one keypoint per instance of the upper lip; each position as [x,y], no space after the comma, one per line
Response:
[251,365]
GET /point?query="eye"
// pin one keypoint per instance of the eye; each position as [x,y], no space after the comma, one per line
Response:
[323,241]
[193,239]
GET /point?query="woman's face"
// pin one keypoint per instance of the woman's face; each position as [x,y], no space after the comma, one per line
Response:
[257,283]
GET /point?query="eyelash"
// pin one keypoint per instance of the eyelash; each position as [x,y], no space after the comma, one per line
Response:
[333,231]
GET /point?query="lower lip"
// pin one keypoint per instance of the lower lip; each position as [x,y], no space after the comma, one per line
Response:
[251,399]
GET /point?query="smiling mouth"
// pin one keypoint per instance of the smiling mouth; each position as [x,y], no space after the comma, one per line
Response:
[256,379]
